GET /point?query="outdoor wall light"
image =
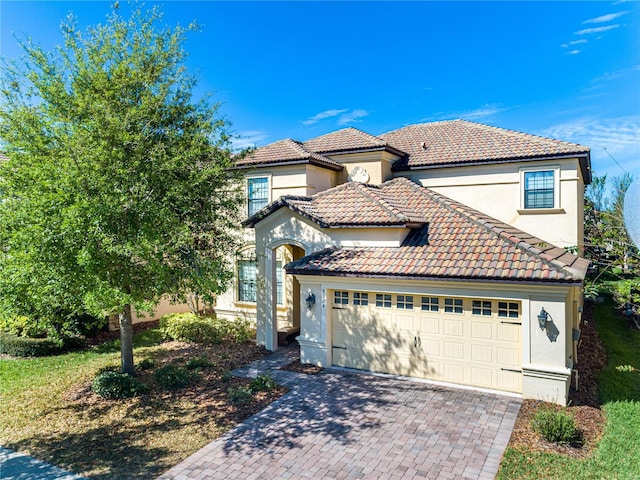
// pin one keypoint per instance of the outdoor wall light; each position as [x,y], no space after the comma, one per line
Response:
[311,301]
[543,317]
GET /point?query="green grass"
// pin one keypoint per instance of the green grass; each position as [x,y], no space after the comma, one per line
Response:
[47,411]
[618,454]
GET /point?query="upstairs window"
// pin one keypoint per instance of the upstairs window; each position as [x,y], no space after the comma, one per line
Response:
[539,189]
[257,194]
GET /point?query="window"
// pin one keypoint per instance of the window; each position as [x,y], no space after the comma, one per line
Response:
[539,189]
[453,305]
[481,307]
[430,304]
[361,298]
[279,283]
[508,309]
[340,298]
[383,300]
[404,302]
[257,194]
[247,271]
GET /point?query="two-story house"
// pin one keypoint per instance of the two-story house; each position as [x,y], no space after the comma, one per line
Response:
[436,250]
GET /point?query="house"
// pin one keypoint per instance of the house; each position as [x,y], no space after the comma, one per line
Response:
[439,250]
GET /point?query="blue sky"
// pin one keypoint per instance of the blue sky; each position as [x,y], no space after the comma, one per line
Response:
[568,70]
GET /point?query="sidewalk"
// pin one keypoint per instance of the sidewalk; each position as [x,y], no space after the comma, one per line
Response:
[16,466]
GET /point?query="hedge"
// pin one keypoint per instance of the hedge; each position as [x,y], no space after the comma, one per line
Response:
[37,347]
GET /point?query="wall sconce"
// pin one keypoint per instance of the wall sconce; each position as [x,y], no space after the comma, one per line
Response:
[311,301]
[543,316]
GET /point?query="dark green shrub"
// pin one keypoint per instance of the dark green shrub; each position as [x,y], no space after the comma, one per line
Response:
[29,347]
[189,327]
[172,377]
[555,426]
[146,364]
[227,376]
[263,383]
[195,363]
[117,385]
[240,395]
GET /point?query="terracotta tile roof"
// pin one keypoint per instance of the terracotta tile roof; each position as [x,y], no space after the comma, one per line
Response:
[460,141]
[286,152]
[456,243]
[350,205]
[344,140]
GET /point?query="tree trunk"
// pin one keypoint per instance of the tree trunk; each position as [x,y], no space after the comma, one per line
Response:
[126,341]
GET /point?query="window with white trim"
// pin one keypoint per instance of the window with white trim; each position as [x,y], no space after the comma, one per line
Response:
[361,299]
[279,283]
[247,273]
[453,305]
[404,302]
[430,304]
[539,188]
[257,194]
[508,309]
[340,297]
[481,307]
[383,300]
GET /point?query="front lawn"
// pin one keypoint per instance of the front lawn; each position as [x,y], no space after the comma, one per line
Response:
[617,456]
[49,411]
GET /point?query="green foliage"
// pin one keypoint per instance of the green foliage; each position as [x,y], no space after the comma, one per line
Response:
[555,426]
[263,383]
[189,327]
[28,347]
[118,187]
[195,363]
[22,326]
[117,385]
[146,364]
[591,291]
[227,376]
[626,294]
[240,395]
[173,377]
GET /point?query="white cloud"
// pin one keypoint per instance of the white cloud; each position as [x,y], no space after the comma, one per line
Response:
[574,42]
[322,115]
[606,18]
[574,52]
[620,136]
[587,31]
[352,117]
[607,77]
[485,111]
[247,139]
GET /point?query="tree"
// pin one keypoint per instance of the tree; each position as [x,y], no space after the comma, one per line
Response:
[117,189]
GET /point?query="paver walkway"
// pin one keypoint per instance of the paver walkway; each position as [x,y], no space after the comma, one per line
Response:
[17,466]
[344,425]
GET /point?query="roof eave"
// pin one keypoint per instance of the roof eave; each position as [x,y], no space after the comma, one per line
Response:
[302,161]
[386,148]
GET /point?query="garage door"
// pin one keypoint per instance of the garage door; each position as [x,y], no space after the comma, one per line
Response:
[460,340]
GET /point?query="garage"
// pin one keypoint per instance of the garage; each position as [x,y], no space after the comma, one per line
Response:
[471,341]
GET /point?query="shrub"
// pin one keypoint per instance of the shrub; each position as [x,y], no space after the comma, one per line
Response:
[146,364]
[227,376]
[117,385]
[22,326]
[555,426]
[263,383]
[28,347]
[195,363]
[172,377]
[240,395]
[189,327]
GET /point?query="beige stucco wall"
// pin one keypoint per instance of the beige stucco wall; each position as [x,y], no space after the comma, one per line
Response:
[377,164]
[497,191]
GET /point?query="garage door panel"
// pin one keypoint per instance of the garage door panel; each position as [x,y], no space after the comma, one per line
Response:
[458,348]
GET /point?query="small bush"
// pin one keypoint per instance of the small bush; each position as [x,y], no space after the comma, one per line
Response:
[117,385]
[240,395]
[172,377]
[189,327]
[555,426]
[146,364]
[29,347]
[263,383]
[21,326]
[227,376]
[195,363]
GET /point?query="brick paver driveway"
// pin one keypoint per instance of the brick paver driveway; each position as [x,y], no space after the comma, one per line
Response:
[344,425]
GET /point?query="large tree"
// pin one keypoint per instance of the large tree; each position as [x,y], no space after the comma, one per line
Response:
[117,188]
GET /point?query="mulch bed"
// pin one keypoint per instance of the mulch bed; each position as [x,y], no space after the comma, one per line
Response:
[584,404]
[298,367]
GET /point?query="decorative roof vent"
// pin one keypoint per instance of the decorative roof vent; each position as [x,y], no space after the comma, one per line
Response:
[359,174]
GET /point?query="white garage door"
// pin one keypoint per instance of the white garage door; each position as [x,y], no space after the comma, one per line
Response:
[468,341]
